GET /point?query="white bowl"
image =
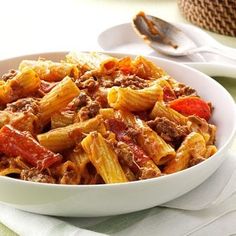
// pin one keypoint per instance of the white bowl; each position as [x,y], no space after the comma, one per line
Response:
[112,199]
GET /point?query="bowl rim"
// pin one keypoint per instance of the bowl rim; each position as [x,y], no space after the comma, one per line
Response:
[135,183]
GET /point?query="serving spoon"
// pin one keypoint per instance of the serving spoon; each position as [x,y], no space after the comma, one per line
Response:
[168,39]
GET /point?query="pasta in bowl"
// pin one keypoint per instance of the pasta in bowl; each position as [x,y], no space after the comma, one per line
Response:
[79,129]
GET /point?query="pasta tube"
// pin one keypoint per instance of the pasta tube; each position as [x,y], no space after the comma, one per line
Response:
[80,158]
[62,119]
[24,83]
[65,137]
[103,158]
[194,145]
[210,150]
[6,117]
[147,69]
[93,61]
[199,125]
[127,117]
[134,100]
[10,171]
[131,153]
[161,110]
[57,99]
[12,165]
[50,71]
[154,145]
[73,177]
[86,169]
[107,113]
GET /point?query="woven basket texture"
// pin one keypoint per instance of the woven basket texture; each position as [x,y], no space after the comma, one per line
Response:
[218,16]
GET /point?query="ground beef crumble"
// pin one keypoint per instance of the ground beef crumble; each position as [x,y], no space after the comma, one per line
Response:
[85,107]
[24,105]
[9,75]
[168,130]
[79,102]
[125,155]
[88,111]
[132,81]
[184,90]
[35,175]
[90,85]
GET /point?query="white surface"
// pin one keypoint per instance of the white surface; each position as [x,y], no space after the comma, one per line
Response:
[122,38]
[100,200]
[28,224]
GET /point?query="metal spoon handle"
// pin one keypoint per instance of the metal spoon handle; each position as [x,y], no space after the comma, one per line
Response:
[217,51]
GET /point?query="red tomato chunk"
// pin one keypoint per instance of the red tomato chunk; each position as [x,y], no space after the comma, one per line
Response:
[16,143]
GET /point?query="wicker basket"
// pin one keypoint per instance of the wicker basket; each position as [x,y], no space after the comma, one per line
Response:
[218,16]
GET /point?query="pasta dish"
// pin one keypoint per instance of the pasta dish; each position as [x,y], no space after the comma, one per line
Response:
[96,119]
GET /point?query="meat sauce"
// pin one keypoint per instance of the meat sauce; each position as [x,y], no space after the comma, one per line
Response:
[124,134]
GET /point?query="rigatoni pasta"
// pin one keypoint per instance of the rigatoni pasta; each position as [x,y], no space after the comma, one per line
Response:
[155,146]
[93,61]
[57,98]
[161,109]
[96,119]
[50,71]
[65,137]
[24,84]
[103,158]
[193,146]
[134,100]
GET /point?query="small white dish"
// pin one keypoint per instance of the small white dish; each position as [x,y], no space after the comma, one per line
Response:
[122,38]
[113,199]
